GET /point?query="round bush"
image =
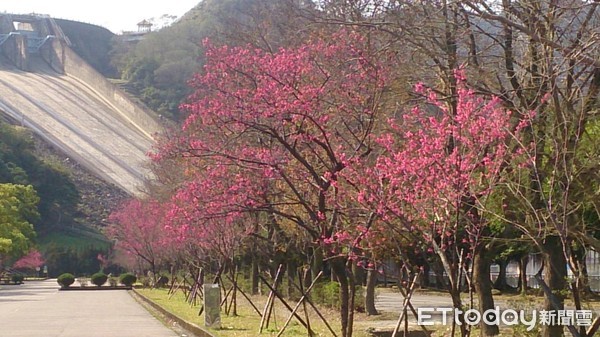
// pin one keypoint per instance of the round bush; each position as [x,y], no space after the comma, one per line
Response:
[127,279]
[17,279]
[99,279]
[65,280]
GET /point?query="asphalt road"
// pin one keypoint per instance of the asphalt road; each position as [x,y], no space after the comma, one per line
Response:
[39,309]
[388,301]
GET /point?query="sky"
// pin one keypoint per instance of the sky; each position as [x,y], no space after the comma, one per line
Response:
[116,15]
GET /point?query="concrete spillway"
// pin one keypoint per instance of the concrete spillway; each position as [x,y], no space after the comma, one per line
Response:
[73,117]
[45,86]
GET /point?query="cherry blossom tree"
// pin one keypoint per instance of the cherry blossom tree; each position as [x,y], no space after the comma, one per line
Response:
[283,126]
[211,212]
[31,260]
[436,176]
[138,230]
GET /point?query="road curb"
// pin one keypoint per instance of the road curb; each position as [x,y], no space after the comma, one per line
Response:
[93,288]
[191,327]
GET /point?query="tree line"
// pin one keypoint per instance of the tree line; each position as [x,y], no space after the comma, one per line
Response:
[441,135]
[35,194]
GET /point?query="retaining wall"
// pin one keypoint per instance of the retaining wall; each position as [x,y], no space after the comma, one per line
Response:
[15,49]
[53,53]
[6,24]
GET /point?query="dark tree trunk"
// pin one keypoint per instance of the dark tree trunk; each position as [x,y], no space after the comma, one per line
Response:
[317,261]
[359,274]
[483,288]
[440,282]
[254,275]
[457,304]
[500,283]
[585,277]
[154,278]
[453,286]
[424,278]
[234,294]
[339,269]
[523,261]
[351,304]
[291,273]
[370,291]
[555,274]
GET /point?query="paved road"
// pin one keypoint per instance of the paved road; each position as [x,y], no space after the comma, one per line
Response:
[38,309]
[391,301]
[388,301]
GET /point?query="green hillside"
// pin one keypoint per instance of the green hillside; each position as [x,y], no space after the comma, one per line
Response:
[73,204]
[159,67]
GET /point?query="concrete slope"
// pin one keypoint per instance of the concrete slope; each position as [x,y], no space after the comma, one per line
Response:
[78,120]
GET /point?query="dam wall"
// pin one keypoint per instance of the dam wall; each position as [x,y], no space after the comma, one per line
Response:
[75,66]
[49,88]
[44,37]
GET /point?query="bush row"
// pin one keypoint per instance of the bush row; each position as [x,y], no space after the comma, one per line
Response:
[66,280]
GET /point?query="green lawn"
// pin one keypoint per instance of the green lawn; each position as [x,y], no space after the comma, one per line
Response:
[247,323]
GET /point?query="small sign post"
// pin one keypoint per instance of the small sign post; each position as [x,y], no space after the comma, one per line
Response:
[212,306]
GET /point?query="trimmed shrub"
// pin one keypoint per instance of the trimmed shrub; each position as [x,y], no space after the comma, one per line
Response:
[17,279]
[99,279]
[127,279]
[331,294]
[65,280]
[328,294]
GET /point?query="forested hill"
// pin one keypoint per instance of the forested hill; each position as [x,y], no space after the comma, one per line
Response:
[158,68]
[60,205]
